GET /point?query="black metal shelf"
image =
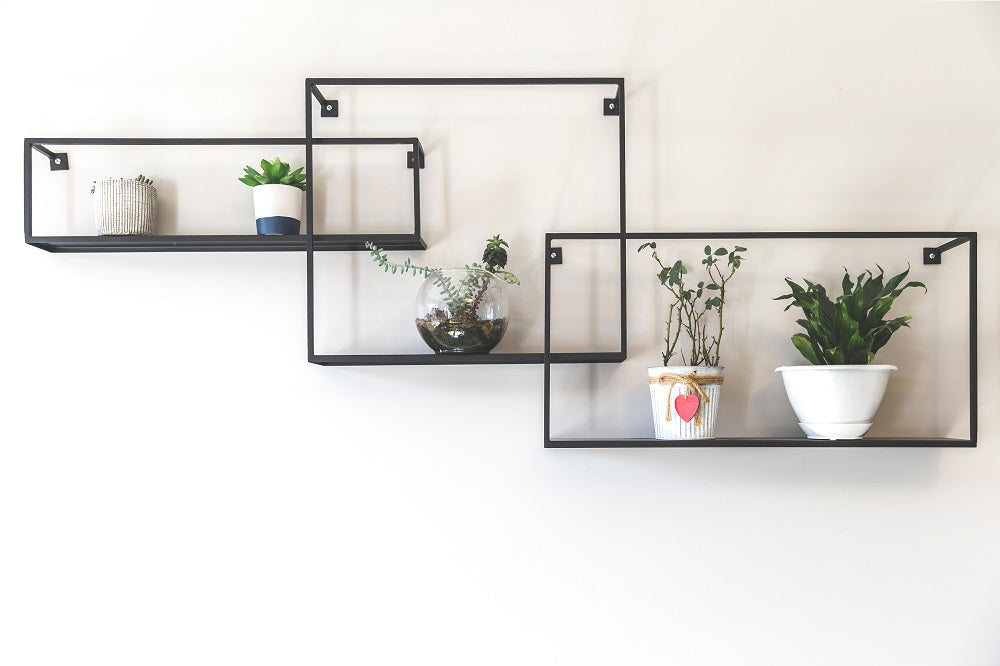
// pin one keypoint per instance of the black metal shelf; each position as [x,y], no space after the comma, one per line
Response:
[311,242]
[330,108]
[760,442]
[931,255]
[501,358]
[223,243]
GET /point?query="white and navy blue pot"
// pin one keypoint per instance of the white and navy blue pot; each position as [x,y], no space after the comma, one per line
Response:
[278,209]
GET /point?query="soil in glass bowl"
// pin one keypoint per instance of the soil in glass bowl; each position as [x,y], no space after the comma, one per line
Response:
[464,335]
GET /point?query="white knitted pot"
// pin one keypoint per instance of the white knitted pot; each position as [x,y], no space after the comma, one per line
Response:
[124,207]
[664,395]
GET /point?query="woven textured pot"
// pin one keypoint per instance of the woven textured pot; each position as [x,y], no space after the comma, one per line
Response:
[664,391]
[124,207]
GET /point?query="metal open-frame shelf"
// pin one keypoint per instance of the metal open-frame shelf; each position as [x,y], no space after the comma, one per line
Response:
[311,243]
[931,255]
[219,242]
[330,108]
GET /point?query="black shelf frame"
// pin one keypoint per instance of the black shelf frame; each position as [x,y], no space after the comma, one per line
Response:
[931,255]
[311,243]
[214,242]
[330,108]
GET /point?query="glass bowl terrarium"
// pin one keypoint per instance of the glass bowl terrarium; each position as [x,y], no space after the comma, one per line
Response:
[461,311]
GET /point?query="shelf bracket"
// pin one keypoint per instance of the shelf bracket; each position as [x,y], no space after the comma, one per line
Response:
[57,161]
[328,108]
[419,164]
[613,105]
[932,255]
[555,255]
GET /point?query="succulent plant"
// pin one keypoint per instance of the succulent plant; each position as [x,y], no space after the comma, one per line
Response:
[460,296]
[495,256]
[142,180]
[688,310]
[850,329]
[275,172]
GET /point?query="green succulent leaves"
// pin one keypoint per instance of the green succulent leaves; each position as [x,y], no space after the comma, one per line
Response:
[494,261]
[852,328]
[460,298]
[274,172]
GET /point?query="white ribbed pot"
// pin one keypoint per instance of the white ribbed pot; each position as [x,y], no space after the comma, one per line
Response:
[278,209]
[835,401]
[674,416]
[124,207]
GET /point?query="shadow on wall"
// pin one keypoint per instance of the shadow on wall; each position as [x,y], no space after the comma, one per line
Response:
[841,469]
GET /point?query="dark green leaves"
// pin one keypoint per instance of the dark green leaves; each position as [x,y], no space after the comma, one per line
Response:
[851,329]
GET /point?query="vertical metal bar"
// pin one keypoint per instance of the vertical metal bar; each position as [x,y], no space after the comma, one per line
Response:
[310,296]
[547,347]
[27,190]
[622,224]
[973,342]
[418,151]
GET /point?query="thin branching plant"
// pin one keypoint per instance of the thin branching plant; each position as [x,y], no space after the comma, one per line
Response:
[689,316]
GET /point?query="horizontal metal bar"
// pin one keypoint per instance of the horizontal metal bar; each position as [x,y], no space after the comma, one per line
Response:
[39,144]
[160,141]
[466,81]
[694,235]
[224,243]
[367,141]
[525,358]
[760,442]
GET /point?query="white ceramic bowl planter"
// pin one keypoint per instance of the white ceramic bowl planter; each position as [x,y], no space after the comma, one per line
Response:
[278,209]
[685,400]
[835,401]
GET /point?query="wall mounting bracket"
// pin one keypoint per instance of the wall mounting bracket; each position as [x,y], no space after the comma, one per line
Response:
[417,163]
[932,255]
[613,105]
[57,161]
[328,108]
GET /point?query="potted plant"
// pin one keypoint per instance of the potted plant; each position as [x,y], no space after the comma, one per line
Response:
[685,398]
[837,396]
[459,310]
[125,206]
[277,196]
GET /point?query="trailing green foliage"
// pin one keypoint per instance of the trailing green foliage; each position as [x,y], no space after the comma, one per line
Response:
[690,305]
[274,172]
[466,295]
[852,328]
[142,180]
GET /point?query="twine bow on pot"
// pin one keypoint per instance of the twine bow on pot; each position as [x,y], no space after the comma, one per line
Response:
[692,382]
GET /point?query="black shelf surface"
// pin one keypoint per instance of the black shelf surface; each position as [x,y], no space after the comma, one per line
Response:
[224,243]
[524,358]
[761,442]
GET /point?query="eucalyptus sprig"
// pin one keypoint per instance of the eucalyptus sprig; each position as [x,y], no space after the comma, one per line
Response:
[850,329]
[690,305]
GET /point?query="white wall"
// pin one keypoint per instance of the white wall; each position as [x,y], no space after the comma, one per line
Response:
[177,484]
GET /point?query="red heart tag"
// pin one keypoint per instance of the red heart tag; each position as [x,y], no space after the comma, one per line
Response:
[686,406]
